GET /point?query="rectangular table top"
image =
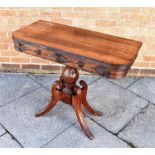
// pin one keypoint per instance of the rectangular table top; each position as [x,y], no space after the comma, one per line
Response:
[99,46]
[88,50]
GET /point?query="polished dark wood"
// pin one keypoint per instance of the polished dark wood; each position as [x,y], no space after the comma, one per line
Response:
[76,101]
[84,100]
[67,91]
[77,48]
[56,96]
[87,50]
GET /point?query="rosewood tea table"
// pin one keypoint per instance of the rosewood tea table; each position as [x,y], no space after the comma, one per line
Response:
[77,48]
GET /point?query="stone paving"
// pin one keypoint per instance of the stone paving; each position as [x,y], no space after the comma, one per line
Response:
[128,106]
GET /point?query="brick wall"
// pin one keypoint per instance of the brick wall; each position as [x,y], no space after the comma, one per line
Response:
[134,23]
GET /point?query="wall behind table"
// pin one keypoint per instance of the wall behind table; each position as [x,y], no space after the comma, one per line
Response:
[134,23]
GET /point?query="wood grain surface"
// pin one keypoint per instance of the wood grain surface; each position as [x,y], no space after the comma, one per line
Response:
[89,48]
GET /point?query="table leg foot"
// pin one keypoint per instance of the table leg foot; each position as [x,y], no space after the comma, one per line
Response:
[84,100]
[76,102]
[56,96]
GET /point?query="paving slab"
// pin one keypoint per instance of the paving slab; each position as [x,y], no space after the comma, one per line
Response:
[2,130]
[48,79]
[45,80]
[141,131]
[74,137]
[125,82]
[13,86]
[6,141]
[118,105]
[18,118]
[145,87]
